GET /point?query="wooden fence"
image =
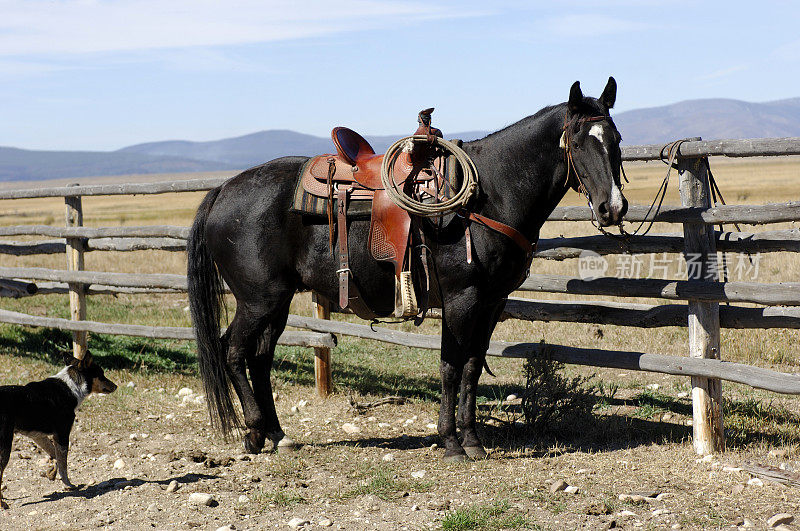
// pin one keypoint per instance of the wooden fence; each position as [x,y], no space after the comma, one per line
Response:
[779,304]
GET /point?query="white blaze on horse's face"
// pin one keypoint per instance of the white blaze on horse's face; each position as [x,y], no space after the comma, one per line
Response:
[610,203]
[615,201]
[597,132]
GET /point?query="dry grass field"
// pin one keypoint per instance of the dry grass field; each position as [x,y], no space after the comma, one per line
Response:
[635,438]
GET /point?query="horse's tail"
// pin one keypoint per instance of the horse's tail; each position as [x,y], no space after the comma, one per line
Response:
[206,290]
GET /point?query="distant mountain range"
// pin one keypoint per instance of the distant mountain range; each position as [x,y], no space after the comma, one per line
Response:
[708,118]
[249,150]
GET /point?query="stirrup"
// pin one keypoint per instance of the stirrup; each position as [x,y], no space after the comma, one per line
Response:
[405,299]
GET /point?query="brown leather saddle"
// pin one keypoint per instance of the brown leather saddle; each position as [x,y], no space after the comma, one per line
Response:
[353,174]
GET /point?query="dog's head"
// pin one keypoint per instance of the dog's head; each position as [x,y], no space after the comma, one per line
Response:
[91,373]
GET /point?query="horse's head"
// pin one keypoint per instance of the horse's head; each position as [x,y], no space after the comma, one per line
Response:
[591,145]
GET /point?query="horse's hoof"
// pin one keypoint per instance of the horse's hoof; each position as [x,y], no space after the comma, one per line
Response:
[475,453]
[253,443]
[455,458]
[286,445]
[3,505]
[50,473]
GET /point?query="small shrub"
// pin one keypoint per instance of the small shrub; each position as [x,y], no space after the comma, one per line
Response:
[551,398]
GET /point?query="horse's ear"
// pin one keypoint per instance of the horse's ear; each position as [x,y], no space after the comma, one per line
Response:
[575,97]
[609,95]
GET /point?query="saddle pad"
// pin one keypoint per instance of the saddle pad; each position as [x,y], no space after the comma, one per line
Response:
[317,205]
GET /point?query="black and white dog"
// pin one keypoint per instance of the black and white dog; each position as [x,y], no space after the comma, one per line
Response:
[46,409]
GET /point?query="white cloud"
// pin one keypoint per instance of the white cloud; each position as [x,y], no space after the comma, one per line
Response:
[592,25]
[36,27]
[724,72]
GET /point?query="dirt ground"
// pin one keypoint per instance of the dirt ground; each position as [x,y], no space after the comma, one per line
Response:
[376,470]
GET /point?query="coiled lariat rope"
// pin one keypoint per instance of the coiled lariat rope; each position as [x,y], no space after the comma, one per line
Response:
[469,184]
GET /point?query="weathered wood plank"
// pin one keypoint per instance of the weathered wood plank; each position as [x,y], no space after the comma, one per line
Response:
[637,361]
[741,242]
[725,214]
[137,280]
[547,248]
[385,335]
[164,187]
[289,337]
[94,244]
[735,372]
[753,147]
[778,294]
[47,288]
[645,315]
[323,375]
[75,260]
[18,286]
[135,244]
[157,231]
[704,342]
[33,248]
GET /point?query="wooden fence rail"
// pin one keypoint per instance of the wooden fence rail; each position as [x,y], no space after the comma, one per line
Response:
[702,314]
[725,214]
[779,294]
[131,280]
[645,315]
[289,337]
[707,368]
[549,248]
[162,231]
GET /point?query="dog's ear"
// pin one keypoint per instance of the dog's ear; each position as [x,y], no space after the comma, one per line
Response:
[86,361]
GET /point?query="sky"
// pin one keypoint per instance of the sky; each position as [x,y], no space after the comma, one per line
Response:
[104,74]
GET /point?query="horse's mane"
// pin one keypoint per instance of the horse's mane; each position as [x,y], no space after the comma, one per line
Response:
[534,117]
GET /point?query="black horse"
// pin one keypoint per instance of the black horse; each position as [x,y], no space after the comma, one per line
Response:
[245,233]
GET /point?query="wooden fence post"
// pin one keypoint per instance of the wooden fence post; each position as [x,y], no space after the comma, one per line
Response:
[701,264]
[77,292]
[322,355]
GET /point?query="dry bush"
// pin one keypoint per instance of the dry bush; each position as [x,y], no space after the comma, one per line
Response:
[551,399]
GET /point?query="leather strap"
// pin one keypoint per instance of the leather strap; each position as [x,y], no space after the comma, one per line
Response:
[344,258]
[526,246]
[331,173]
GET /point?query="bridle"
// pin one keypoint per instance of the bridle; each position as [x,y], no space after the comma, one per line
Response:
[570,126]
[577,184]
